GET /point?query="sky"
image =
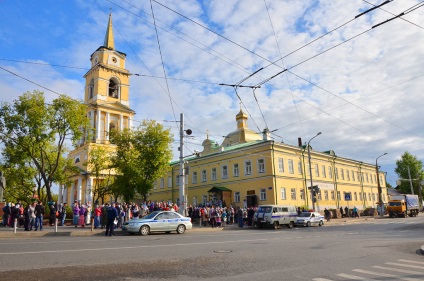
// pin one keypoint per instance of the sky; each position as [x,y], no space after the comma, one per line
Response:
[358,85]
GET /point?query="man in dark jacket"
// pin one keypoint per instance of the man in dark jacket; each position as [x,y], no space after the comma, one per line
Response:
[112,214]
[39,214]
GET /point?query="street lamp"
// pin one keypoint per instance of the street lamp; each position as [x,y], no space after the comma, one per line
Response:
[310,172]
[380,201]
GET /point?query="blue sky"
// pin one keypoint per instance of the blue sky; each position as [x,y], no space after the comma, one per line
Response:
[366,96]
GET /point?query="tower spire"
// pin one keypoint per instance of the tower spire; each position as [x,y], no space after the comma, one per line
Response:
[109,42]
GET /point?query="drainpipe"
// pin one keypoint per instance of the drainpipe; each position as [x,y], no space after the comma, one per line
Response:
[305,184]
[274,175]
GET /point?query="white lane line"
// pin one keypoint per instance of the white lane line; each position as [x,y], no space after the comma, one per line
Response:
[321,279]
[400,270]
[405,265]
[418,262]
[396,277]
[353,277]
[133,247]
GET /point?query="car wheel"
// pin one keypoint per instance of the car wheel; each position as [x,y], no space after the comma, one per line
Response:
[275,225]
[181,229]
[144,230]
[320,223]
[290,225]
[308,224]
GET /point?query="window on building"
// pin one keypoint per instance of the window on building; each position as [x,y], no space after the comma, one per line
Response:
[302,194]
[319,195]
[177,180]
[283,193]
[204,199]
[299,168]
[316,170]
[353,176]
[293,194]
[332,195]
[375,178]
[338,195]
[371,178]
[291,167]
[369,196]
[342,174]
[355,196]
[330,172]
[326,195]
[203,175]
[281,165]
[194,177]
[365,196]
[91,89]
[336,173]
[373,197]
[155,186]
[224,171]
[169,182]
[247,167]
[237,197]
[263,194]
[347,175]
[324,174]
[358,175]
[261,166]
[236,170]
[381,180]
[366,177]
[360,196]
[213,174]
[162,183]
[113,88]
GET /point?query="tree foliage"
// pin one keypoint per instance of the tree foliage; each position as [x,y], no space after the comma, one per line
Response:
[35,132]
[142,156]
[416,170]
[98,164]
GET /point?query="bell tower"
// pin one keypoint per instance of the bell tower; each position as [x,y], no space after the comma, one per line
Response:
[107,89]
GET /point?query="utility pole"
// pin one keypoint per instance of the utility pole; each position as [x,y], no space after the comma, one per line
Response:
[183,203]
[380,201]
[313,190]
[410,181]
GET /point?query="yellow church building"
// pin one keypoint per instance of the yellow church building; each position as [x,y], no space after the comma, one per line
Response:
[107,96]
[249,169]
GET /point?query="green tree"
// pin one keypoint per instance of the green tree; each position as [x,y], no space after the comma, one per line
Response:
[36,132]
[98,164]
[416,170]
[142,156]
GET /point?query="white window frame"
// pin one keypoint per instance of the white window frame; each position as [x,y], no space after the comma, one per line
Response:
[302,194]
[283,193]
[299,168]
[316,170]
[325,194]
[169,182]
[353,175]
[262,194]
[261,165]
[324,174]
[291,167]
[224,171]
[204,176]
[247,167]
[293,194]
[162,183]
[237,197]
[281,165]
[213,174]
[236,170]
[194,178]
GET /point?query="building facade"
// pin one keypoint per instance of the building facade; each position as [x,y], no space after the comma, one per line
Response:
[107,97]
[250,169]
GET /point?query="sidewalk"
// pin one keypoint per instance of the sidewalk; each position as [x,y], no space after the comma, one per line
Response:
[70,230]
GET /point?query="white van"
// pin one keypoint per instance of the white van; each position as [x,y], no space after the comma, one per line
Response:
[275,215]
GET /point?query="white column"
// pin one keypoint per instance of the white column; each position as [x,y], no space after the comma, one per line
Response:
[99,113]
[65,194]
[89,190]
[92,122]
[107,125]
[59,196]
[79,191]
[121,122]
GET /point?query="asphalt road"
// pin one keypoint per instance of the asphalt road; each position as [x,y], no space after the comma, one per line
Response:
[385,249]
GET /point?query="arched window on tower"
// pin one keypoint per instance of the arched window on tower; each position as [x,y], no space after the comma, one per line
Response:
[91,89]
[113,88]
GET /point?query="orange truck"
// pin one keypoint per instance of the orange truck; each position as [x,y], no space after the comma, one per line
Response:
[403,205]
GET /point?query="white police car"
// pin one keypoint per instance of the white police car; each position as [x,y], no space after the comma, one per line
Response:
[309,218]
[158,221]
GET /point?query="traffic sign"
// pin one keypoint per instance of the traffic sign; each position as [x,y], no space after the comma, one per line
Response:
[348,196]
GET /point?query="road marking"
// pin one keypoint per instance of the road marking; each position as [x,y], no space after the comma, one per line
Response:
[396,277]
[419,262]
[405,265]
[321,279]
[400,270]
[131,247]
[353,277]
